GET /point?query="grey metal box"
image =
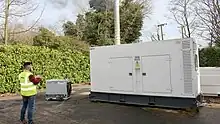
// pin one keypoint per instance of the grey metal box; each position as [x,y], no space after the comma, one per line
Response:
[58,89]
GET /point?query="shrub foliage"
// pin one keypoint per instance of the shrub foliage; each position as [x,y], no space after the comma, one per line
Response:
[209,57]
[50,63]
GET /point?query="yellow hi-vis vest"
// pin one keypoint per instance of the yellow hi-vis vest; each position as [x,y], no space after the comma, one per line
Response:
[27,87]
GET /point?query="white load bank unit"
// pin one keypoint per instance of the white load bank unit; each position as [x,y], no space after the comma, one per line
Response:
[163,73]
[210,77]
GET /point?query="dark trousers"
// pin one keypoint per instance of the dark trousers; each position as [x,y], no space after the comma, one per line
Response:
[28,102]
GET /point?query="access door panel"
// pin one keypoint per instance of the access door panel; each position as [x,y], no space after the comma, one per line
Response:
[121,74]
[156,74]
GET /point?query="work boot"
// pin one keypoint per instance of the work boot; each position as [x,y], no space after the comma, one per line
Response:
[30,122]
[24,122]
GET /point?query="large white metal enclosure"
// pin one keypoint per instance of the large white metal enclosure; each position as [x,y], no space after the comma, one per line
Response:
[210,81]
[164,73]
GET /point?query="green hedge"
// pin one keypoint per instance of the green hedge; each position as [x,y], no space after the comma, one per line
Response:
[50,63]
[209,57]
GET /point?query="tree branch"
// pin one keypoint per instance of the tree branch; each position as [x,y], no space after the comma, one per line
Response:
[2,16]
[32,25]
[209,18]
[25,14]
[11,2]
[175,18]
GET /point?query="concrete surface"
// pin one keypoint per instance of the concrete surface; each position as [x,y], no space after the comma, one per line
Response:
[79,110]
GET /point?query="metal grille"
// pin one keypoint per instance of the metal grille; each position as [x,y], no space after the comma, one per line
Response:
[186,44]
[187,67]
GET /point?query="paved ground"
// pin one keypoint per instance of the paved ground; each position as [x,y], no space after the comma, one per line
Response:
[78,110]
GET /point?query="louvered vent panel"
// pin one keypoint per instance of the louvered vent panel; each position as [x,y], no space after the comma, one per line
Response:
[186,45]
[187,67]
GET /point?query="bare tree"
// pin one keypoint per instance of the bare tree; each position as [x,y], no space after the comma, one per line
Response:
[57,27]
[15,9]
[24,38]
[183,13]
[209,18]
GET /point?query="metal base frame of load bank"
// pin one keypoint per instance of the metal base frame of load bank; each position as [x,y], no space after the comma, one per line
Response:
[143,100]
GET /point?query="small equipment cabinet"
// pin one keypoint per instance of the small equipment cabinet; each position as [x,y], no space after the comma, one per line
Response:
[58,89]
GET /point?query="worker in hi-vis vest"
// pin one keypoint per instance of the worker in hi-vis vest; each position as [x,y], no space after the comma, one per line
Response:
[28,83]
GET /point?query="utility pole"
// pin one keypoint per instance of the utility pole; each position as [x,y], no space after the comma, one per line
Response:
[117,22]
[161,29]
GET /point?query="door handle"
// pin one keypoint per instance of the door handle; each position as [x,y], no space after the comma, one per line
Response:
[130,74]
[144,74]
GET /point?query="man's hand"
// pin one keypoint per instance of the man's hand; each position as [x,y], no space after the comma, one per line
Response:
[38,76]
[35,79]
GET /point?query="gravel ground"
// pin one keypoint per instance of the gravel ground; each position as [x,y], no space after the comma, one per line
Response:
[79,110]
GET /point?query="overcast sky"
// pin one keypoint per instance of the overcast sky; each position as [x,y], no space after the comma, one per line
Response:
[55,14]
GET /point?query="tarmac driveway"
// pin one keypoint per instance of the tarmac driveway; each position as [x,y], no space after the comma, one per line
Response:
[79,110]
